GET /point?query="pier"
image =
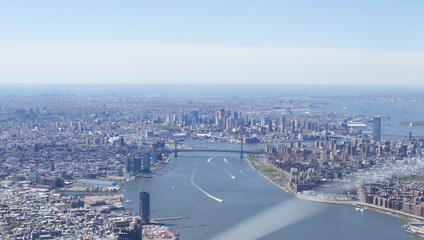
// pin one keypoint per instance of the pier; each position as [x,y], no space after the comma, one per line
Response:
[169,218]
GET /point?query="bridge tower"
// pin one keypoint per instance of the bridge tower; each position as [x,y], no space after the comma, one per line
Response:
[241,148]
[175,149]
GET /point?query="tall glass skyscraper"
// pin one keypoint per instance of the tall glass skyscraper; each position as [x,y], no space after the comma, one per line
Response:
[144,206]
[376,130]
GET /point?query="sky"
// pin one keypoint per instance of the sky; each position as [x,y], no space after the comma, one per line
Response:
[379,42]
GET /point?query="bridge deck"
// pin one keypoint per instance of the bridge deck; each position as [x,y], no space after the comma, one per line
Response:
[217,150]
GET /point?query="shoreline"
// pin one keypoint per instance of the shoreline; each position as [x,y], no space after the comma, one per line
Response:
[379,209]
[164,164]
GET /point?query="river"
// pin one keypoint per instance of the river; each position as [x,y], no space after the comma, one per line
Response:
[253,208]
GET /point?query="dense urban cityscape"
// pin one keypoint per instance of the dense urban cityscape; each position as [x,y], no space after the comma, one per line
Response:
[64,158]
[220,120]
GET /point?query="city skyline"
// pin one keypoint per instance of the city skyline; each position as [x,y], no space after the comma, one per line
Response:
[163,42]
[57,150]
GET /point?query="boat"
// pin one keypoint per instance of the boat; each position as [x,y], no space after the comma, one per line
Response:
[358,209]
[128,201]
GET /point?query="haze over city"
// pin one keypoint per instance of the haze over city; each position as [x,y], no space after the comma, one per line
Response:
[212,42]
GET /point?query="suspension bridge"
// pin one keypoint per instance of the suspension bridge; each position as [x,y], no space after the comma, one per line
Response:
[176,150]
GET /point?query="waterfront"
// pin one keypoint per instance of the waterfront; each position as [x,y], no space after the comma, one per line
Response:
[393,112]
[172,194]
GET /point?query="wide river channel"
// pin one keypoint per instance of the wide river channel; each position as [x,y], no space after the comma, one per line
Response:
[193,185]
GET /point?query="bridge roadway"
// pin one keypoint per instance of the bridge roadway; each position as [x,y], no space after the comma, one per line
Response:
[175,151]
[218,150]
[241,151]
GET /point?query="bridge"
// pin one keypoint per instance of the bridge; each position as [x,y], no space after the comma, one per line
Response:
[241,151]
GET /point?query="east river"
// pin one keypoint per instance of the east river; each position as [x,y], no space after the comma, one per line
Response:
[192,185]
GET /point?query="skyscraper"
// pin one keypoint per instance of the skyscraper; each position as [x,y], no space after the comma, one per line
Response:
[229,123]
[146,162]
[137,163]
[221,113]
[264,121]
[282,122]
[144,206]
[129,164]
[154,158]
[376,130]
[181,117]
[195,117]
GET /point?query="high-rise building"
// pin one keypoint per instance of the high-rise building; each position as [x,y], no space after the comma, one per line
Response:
[296,122]
[168,119]
[269,126]
[376,130]
[33,176]
[252,122]
[129,164]
[137,163]
[220,121]
[195,118]
[221,113]
[144,206]
[264,121]
[229,123]
[154,157]
[146,162]
[181,117]
[282,122]
[292,126]
[333,144]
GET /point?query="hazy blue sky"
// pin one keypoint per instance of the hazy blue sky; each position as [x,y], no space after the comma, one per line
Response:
[294,42]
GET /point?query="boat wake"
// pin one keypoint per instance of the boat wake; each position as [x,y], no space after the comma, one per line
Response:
[226,161]
[204,192]
[210,159]
[229,174]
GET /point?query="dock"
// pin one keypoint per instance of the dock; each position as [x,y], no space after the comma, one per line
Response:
[169,218]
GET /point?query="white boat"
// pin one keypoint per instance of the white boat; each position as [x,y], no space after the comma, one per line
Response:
[128,201]
[359,209]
